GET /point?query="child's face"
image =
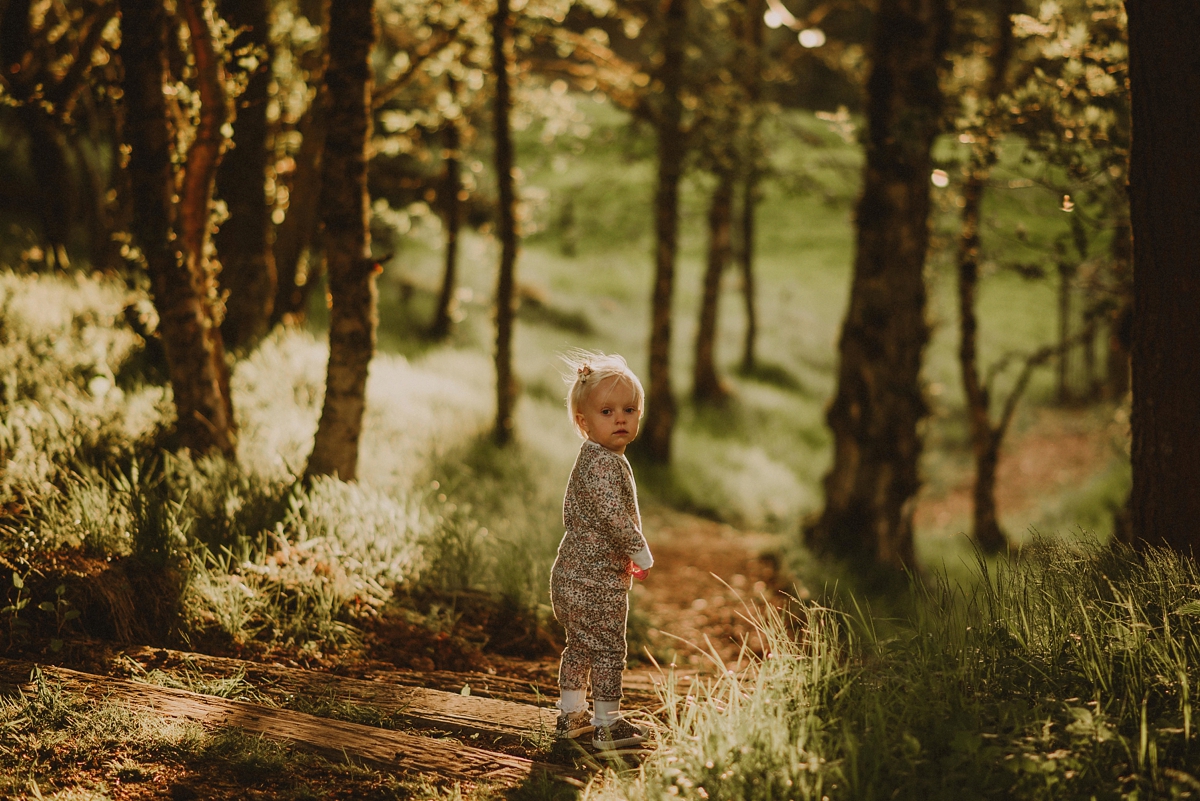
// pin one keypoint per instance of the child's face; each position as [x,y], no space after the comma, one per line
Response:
[610,415]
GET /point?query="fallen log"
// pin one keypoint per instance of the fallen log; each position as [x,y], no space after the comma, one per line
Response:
[332,739]
[417,706]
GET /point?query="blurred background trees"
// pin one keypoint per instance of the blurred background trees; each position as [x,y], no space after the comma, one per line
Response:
[201,149]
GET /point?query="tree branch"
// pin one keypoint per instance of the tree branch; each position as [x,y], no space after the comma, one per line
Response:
[434,46]
[1032,362]
[65,92]
[209,144]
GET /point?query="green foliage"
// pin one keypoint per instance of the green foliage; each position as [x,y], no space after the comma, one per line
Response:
[61,344]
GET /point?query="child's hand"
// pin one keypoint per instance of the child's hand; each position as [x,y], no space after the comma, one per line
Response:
[636,571]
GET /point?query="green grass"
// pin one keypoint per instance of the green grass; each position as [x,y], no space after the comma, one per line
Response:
[1067,674]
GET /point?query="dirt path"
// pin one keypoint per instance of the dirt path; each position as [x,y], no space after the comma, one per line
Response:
[705,575]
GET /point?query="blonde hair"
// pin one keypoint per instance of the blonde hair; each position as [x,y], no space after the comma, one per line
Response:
[587,370]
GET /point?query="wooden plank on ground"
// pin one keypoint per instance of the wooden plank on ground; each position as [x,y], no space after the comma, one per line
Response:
[332,739]
[505,688]
[418,706]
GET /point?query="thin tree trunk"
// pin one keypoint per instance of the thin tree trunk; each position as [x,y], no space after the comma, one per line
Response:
[199,177]
[443,321]
[870,492]
[752,35]
[506,386]
[746,263]
[58,201]
[180,294]
[659,418]
[986,438]
[15,38]
[985,445]
[294,237]
[1120,328]
[1065,272]
[1165,214]
[245,240]
[1090,384]
[345,215]
[706,386]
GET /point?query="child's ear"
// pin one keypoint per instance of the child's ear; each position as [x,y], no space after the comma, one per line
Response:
[581,422]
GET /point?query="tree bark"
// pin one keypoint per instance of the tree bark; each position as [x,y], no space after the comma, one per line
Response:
[746,263]
[1165,215]
[985,444]
[245,240]
[345,214]
[706,385]
[199,178]
[986,438]
[871,489]
[181,293]
[659,417]
[506,387]
[1120,327]
[443,321]
[1066,272]
[15,38]
[752,36]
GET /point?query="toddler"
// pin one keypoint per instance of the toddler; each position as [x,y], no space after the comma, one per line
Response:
[602,547]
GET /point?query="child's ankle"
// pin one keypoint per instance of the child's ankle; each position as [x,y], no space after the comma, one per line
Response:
[607,712]
[573,701]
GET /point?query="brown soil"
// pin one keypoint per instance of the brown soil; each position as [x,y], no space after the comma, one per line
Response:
[706,576]
[1058,451]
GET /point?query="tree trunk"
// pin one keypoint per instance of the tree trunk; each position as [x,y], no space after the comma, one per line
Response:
[985,444]
[506,385]
[1120,327]
[659,417]
[57,203]
[1165,214]
[746,263]
[294,237]
[244,243]
[345,214]
[986,438]
[199,178]
[443,321]
[16,39]
[181,294]
[870,491]
[752,36]
[1065,273]
[706,386]
[985,521]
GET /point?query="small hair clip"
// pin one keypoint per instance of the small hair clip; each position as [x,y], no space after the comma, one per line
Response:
[584,370]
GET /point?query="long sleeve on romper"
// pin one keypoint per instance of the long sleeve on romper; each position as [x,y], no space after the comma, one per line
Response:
[601,516]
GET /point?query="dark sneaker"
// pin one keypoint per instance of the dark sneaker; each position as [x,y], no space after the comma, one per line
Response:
[618,734]
[571,725]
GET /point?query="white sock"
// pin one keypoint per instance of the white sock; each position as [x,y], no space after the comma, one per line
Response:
[607,712]
[573,701]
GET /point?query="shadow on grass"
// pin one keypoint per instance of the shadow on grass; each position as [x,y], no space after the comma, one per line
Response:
[776,375]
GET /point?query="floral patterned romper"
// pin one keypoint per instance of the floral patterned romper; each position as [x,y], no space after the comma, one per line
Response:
[589,583]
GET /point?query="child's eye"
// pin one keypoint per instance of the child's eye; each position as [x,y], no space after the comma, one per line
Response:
[606,411]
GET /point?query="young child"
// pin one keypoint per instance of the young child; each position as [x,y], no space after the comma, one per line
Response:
[602,547]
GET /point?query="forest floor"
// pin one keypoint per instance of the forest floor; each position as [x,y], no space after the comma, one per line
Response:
[688,619]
